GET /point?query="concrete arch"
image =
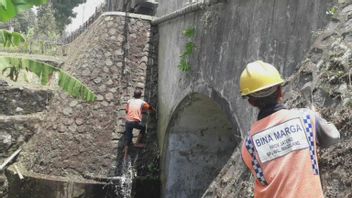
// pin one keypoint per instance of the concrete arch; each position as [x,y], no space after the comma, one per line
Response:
[200,140]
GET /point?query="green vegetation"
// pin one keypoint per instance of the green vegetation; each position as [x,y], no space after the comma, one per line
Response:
[188,51]
[62,11]
[40,30]
[12,66]
[46,21]
[11,39]
[349,103]
[332,11]
[44,29]
[10,8]
[44,42]
[23,21]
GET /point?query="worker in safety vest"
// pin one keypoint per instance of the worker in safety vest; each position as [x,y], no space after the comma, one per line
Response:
[134,109]
[281,147]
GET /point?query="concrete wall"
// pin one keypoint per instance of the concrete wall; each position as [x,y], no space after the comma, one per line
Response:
[228,36]
[200,143]
[43,186]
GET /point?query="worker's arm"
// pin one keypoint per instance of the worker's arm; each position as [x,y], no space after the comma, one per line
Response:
[147,106]
[126,110]
[327,133]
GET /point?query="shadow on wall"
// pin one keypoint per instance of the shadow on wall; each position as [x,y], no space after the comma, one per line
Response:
[201,140]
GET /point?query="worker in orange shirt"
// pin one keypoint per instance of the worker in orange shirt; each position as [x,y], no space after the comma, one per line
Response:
[134,109]
[281,147]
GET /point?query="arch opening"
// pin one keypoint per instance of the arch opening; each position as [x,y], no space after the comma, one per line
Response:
[201,139]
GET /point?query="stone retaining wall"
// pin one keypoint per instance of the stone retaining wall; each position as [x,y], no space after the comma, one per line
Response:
[81,139]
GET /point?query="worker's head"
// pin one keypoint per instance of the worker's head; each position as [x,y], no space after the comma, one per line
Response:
[137,93]
[261,83]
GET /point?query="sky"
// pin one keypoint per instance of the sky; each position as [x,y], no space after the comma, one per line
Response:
[84,11]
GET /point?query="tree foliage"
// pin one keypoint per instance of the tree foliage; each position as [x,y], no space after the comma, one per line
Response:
[12,66]
[23,21]
[45,27]
[63,12]
[10,8]
[10,39]
[62,9]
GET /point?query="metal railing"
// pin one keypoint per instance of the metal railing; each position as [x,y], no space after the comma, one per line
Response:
[82,28]
[108,6]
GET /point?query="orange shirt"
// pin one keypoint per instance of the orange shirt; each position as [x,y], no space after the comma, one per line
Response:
[134,109]
[283,153]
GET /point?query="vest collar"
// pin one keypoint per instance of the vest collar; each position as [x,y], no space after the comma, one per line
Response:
[270,110]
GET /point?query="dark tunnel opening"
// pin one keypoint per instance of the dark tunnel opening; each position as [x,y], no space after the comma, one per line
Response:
[200,139]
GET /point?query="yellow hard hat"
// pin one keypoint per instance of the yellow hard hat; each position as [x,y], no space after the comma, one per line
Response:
[258,76]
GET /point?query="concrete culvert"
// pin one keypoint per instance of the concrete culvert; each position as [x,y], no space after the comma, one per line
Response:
[23,183]
[201,139]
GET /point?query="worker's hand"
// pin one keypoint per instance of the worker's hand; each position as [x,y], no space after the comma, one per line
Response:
[153,109]
[316,110]
[312,107]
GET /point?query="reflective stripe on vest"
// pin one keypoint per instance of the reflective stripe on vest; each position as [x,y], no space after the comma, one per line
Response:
[310,138]
[258,170]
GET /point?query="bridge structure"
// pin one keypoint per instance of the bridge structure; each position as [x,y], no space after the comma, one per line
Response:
[201,117]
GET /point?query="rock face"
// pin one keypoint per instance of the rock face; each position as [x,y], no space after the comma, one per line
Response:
[81,139]
[328,68]
[20,101]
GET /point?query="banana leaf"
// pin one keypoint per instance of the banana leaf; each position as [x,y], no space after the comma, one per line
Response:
[7,10]
[12,67]
[11,39]
[10,8]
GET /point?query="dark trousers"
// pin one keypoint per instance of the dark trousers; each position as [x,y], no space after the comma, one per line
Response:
[129,126]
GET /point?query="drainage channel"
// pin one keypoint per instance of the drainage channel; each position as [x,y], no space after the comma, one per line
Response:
[22,183]
[34,185]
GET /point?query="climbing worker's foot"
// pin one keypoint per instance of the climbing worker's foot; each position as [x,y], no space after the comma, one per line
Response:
[139,145]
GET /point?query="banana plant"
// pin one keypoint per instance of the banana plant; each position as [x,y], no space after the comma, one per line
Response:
[11,39]
[11,67]
[10,8]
